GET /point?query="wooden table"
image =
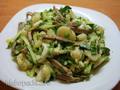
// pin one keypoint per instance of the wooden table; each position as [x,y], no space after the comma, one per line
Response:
[8,8]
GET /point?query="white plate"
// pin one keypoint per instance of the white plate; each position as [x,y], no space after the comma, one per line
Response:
[105,79]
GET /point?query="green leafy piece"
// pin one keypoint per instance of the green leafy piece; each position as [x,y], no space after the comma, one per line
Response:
[92,25]
[84,47]
[10,42]
[94,50]
[88,68]
[102,60]
[66,59]
[31,73]
[65,9]
[105,51]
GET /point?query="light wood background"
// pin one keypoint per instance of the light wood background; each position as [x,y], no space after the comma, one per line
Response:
[8,8]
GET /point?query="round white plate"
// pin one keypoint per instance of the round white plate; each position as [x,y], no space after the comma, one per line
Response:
[105,79]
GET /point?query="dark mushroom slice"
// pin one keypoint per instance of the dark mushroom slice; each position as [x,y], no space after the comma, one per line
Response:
[57,38]
[30,34]
[77,30]
[60,67]
[73,24]
[38,30]
[68,79]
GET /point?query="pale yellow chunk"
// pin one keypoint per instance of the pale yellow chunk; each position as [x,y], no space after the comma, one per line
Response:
[66,32]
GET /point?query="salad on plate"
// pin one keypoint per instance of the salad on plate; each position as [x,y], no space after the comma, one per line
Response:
[56,44]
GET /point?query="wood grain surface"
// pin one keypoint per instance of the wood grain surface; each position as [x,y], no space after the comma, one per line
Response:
[8,8]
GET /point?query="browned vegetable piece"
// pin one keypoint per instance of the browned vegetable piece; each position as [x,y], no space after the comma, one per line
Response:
[24,51]
[30,33]
[77,30]
[72,24]
[57,38]
[68,79]
[60,67]
[65,74]
[57,12]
